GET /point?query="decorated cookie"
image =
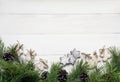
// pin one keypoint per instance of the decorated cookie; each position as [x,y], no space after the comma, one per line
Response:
[32,54]
[64,60]
[71,59]
[19,48]
[75,53]
[42,65]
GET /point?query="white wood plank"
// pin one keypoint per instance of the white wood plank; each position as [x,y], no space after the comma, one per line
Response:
[59,17]
[58,7]
[60,24]
[62,44]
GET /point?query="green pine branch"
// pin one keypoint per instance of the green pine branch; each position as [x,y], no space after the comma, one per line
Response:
[74,76]
[13,50]
[53,74]
[115,57]
[2,48]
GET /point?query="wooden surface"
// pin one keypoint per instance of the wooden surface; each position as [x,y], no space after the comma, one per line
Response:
[53,28]
[59,17]
[62,44]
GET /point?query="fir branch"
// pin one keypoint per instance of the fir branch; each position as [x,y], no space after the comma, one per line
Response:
[111,74]
[115,57]
[74,76]
[2,48]
[96,75]
[53,74]
[13,50]
[14,70]
[28,76]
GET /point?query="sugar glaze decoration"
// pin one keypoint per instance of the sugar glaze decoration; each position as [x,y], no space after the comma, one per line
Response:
[70,58]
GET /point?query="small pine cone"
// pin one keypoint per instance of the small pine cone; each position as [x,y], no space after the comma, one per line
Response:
[7,56]
[44,75]
[62,76]
[84,77]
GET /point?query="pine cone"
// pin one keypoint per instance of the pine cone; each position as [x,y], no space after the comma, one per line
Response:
[7,56]
[62,76]
[84,77]
[44,75]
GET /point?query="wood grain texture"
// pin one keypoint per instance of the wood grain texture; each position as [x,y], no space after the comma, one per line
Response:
[60,24]
[59,17]
[62,44]
[59,7]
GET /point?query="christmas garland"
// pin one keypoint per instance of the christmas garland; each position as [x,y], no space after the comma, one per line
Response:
[15,67]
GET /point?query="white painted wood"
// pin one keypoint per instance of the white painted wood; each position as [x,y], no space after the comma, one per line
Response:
[62,44]
[59,6]
[60,24]
[59,17]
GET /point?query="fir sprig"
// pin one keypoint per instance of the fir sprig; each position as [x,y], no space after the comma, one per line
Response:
[74,76]
[115,52]
[96,75]
[53,74]
[111,74]
[10,71]
[13,50]
[2,48]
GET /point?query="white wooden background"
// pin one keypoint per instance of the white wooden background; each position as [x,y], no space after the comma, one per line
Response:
[54,27]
